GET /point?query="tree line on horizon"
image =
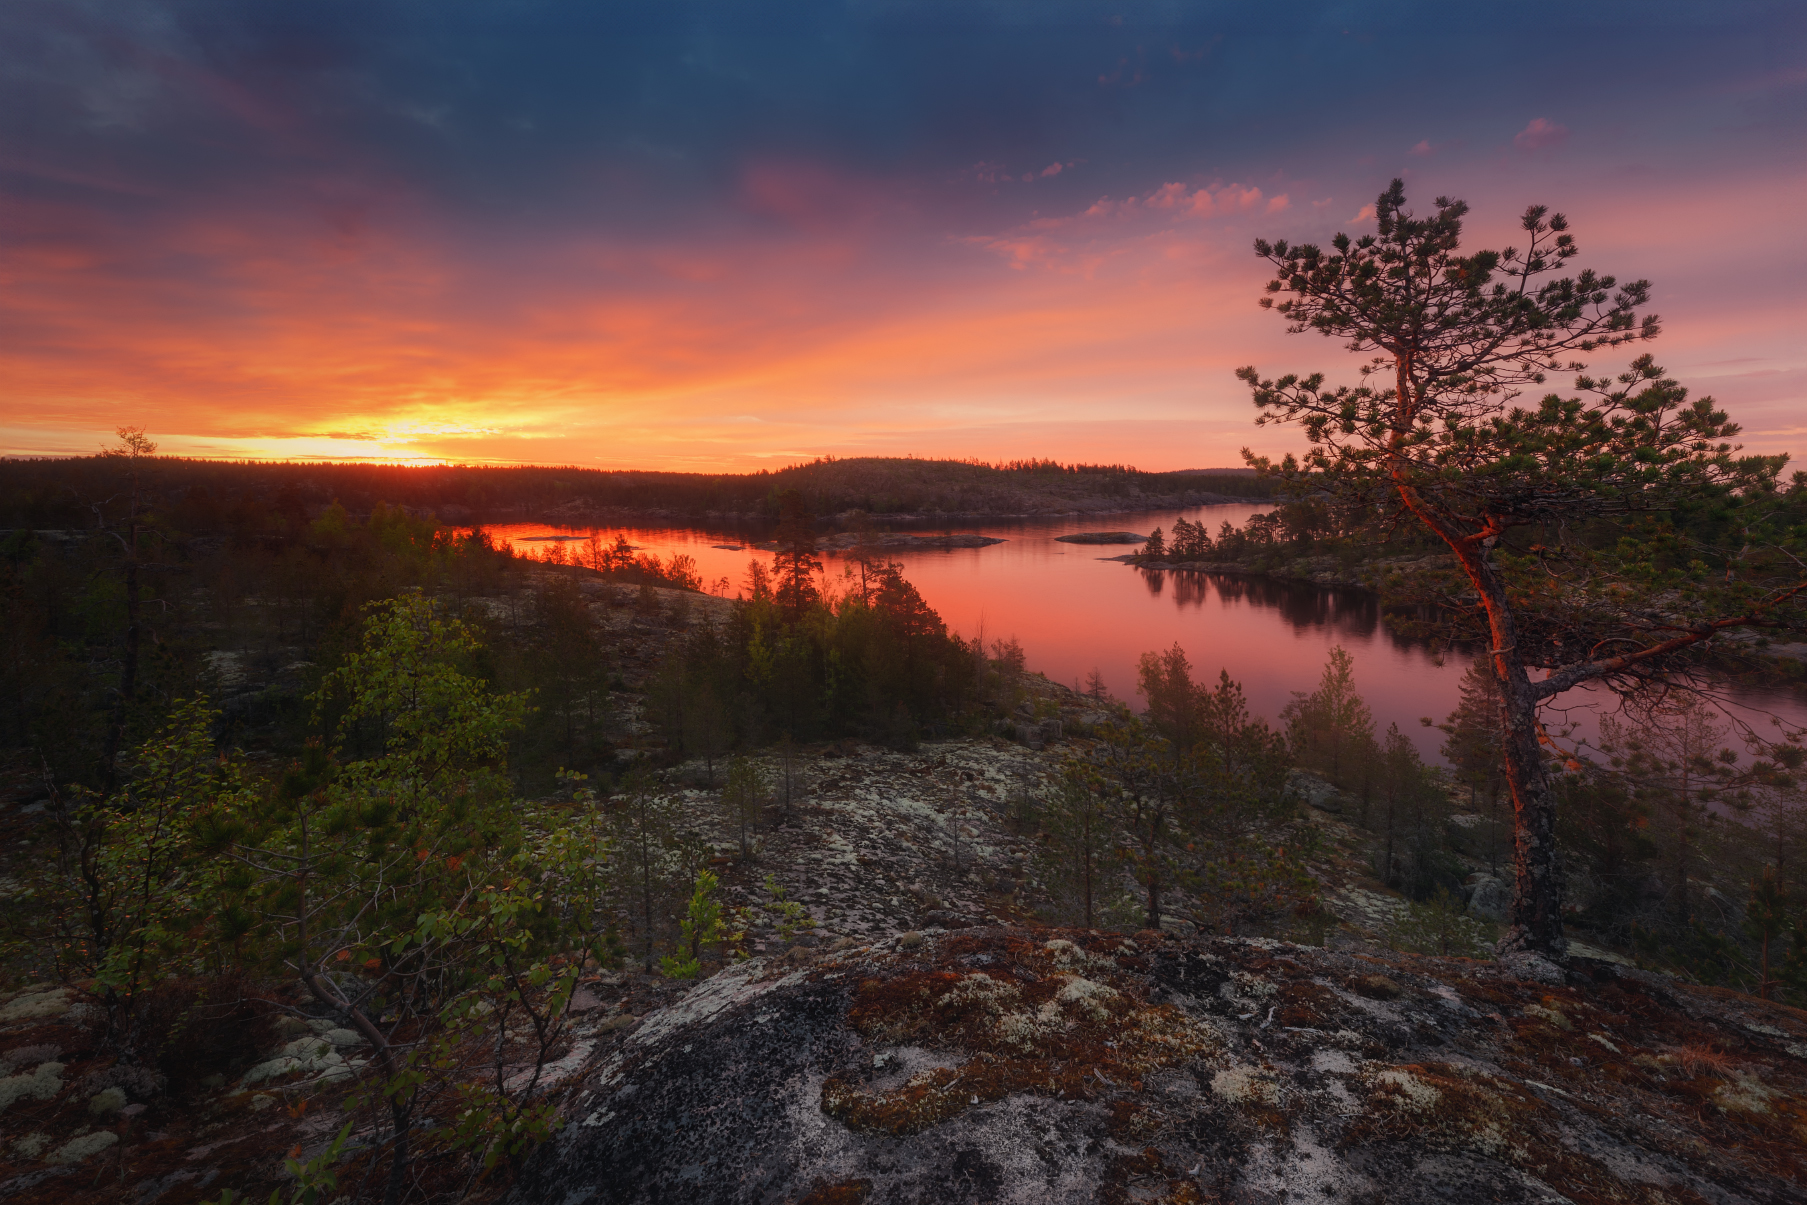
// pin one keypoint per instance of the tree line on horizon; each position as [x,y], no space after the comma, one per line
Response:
[49,494]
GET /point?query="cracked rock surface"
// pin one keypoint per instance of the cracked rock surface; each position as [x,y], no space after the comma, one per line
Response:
[1035,1065]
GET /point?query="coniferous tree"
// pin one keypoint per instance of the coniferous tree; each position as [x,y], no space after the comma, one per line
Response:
[1175,706]
[1512,492]
[796,564]
[1474,736]
[744,798]
[643,820]
[1331,730]
[1080,862]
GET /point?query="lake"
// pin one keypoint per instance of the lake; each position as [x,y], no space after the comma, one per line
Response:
[1074,611]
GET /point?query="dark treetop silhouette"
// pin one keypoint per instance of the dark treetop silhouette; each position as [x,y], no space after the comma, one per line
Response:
[1562,518]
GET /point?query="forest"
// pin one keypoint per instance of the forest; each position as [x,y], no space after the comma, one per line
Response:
[251,499]
[293,764]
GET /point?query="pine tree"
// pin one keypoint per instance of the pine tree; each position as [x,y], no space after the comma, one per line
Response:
[1331,730]
[745,797]
[796,565]
[1078,853]
[1514,493]
[1175,707]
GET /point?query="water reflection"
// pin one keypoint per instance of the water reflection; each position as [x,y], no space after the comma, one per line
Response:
[1074,610]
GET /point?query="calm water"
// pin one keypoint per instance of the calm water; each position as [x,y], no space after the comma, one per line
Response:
[1074,612]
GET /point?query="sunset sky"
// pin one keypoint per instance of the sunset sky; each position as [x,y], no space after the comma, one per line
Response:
[736,235]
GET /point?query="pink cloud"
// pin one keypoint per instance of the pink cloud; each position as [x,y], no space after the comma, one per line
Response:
[1540,134]
[1363,214]
[1423,147]
[810,196]
[1279,203]
[1053,169]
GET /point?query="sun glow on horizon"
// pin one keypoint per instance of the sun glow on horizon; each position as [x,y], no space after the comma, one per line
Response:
[262,255]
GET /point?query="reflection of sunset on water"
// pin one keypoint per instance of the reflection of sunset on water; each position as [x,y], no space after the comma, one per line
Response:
[1075,611]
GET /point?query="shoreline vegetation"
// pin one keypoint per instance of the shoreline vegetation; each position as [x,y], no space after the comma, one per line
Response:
[1407,575]
[536,801]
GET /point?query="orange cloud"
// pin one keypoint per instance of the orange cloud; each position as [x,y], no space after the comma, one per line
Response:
[272,330]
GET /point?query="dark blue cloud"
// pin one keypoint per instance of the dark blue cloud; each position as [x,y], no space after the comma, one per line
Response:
[634,114]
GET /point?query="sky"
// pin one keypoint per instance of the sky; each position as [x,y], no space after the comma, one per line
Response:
[730,236]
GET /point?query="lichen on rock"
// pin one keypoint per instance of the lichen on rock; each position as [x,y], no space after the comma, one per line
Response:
[1011,1065]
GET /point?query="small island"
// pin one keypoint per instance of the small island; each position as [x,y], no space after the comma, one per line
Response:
[847,540]
[1102,537]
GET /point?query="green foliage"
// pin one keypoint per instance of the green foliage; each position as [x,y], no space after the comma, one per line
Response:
[704,925]
[875,662]
[1078,852]
[131,883]
[620,562]
[744,798]
[1246,884]
[1188,783]
[1439,926]
[1766,918]
[1331,730]
[648,863]
[1695,951]
[790,917]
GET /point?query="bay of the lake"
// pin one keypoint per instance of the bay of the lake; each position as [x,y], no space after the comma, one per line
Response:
[1073,610]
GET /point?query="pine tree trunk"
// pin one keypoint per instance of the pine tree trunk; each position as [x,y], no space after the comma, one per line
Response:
[1536,915]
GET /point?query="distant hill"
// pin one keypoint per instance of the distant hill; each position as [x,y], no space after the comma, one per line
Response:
[46,493]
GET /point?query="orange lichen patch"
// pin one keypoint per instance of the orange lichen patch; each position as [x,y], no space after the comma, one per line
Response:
[1050,1018]
[847,1192]
[1307,1005]
[1146,1179]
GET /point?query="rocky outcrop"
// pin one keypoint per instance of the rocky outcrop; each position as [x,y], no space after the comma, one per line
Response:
[1014,1065]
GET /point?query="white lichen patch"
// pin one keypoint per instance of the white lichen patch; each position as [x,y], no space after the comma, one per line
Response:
[1065,954]
[1245,1085]
[1744,1094]
[1024,1031]
[980,991]
[78,1149]
[1252,987]
[1087,998]
[1604,1041]
[1332,1061]
[41,1084]
[36,1004]
[303,1056]
[107,1102]
[1403,1090]
[32,1145]
[1550,1015]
